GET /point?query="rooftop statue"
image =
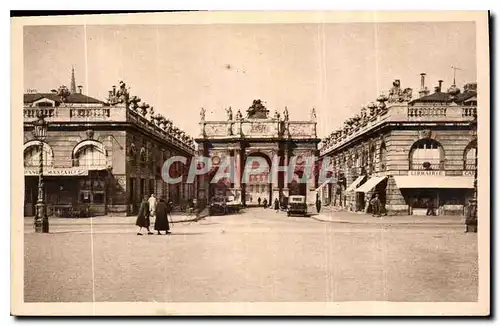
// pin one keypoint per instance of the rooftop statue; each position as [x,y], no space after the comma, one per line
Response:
[229,112]
[202,114]
[238,115]
[285,114]
[257,110]
[313,115]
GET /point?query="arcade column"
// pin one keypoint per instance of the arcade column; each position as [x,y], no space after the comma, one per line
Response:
[203,182]
[274,175]
[311,179]
[237,174]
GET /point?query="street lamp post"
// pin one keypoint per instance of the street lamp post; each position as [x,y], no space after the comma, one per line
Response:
[471,220]
[41,219]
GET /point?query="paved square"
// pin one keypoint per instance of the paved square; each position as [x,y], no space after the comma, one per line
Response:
[258,255]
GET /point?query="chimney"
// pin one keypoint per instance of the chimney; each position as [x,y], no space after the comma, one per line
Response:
[422,81]
[80,89]
[440,85]
[436,89]
[114,90]
[423,89]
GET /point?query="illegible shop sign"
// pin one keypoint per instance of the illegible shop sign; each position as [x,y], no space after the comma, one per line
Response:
[425,172]
[74,171]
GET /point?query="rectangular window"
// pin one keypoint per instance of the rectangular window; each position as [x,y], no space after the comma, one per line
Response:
[98,198]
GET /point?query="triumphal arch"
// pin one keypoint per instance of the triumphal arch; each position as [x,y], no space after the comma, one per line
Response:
[263,137]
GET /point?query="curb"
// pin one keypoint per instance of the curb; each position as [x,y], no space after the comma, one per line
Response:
[387,222]
[196,219]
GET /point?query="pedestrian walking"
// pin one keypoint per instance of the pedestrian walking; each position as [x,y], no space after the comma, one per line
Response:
[430,208]
[152,205]
[277,205]
[161,222]
[143,216]
[318,205]
[264,203]
[170,208]
[375,203]
[258,201]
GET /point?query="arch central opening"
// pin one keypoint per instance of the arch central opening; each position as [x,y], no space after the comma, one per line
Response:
[256,181]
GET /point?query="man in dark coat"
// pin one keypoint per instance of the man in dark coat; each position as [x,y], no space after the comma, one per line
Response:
[318,205]
[277,205]
[143,216]
[161,222]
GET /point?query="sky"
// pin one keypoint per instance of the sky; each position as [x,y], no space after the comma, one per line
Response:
[336,68]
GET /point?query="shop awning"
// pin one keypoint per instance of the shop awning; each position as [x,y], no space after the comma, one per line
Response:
[370,184]
[355,184]
[434,181]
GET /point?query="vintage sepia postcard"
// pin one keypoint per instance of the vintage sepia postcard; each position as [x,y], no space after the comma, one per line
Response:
[251,163]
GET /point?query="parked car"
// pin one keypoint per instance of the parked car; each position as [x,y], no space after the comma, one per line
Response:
[297,205]
[233,205]
[218,205]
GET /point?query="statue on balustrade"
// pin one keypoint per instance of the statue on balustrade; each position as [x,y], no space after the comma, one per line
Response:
[134,102]
[202,114]
[285,114]
[144,108]
[63,93]
[397,95]
[229,112]
[257,110]
[364,115]
[313,115]
[381,101]
[239,116]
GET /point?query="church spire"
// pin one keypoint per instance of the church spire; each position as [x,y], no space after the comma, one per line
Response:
[73,83]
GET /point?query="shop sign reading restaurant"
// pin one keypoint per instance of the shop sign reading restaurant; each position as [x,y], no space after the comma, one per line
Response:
[73,171]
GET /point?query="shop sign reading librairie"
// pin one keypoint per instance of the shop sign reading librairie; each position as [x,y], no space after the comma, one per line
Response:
[49,171]
[425,172]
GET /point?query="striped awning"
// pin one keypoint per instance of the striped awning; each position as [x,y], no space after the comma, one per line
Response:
[355,184]
[370,184]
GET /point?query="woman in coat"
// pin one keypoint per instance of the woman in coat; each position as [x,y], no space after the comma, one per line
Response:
[161,222]
[143,216]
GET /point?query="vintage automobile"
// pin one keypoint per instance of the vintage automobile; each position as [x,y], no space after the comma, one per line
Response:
[218,205]
[233,205]
[297,205]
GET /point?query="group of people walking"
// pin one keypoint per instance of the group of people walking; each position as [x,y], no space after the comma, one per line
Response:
[160,209]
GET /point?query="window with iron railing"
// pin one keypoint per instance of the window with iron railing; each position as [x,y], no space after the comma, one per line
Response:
[90,156]
[426,154]
[470,159]
[32,155]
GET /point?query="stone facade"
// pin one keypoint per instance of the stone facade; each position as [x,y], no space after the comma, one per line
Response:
[101,155]
[385,141]
[273,139]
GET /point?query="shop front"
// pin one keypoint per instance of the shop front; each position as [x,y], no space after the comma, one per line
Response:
[436,194]
[68,192]
[376,185]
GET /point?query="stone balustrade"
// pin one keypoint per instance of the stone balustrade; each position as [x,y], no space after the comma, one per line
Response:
[111,114]
[258,128]
[399,113]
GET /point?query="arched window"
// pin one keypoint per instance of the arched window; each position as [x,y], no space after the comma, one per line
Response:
[89,154]
[426,154]
[470,156]
[383,157]
[32,154]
